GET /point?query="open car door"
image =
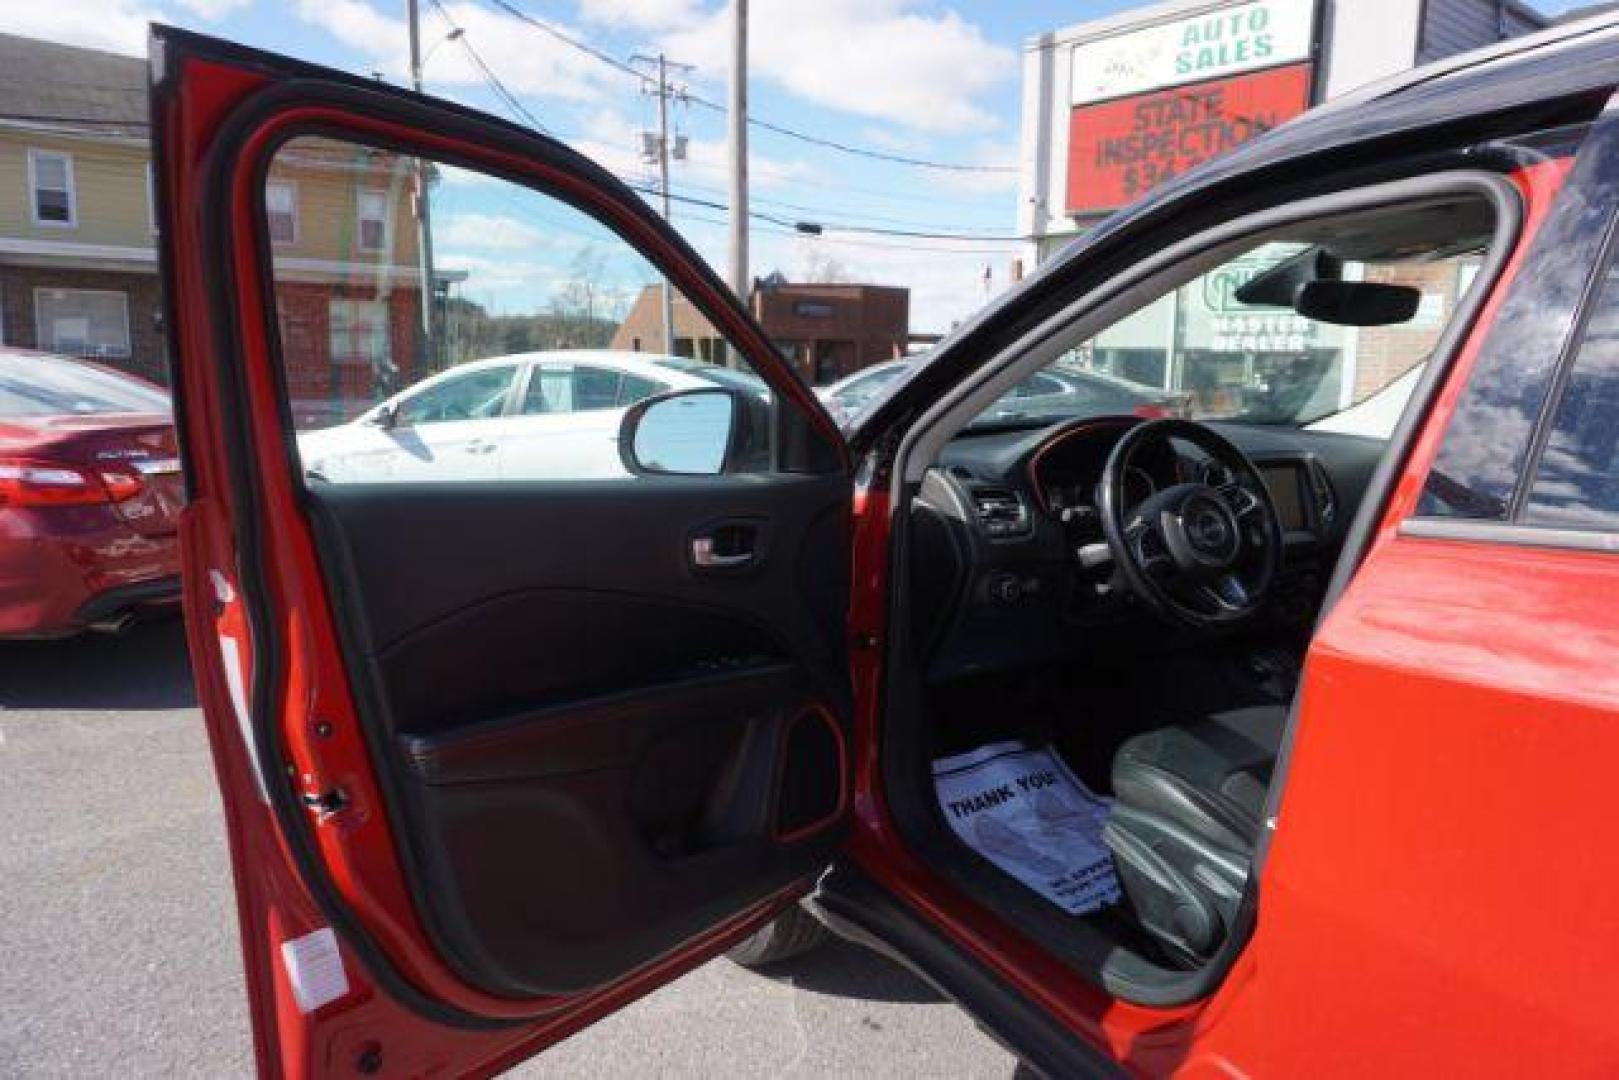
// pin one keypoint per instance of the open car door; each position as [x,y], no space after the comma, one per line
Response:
[500,750]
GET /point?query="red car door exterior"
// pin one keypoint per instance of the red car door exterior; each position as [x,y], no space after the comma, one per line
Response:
[354,962]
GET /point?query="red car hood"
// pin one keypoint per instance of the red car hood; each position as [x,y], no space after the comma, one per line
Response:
[120,445]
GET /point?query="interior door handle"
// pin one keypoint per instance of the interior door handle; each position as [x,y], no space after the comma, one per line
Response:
[726,548]
[705,553]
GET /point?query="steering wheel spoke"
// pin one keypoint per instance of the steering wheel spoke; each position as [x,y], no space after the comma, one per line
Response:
[1243,502]
[1227,593]
[1148,548]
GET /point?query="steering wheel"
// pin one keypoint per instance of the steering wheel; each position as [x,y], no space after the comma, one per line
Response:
[1198,556]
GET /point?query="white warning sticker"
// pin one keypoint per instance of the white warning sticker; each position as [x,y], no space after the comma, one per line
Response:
[315,969]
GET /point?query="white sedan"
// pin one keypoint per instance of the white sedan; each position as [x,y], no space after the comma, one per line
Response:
[527,416]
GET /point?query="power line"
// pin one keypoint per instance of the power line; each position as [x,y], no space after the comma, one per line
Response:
[489,77]
[753,121]
[803,227]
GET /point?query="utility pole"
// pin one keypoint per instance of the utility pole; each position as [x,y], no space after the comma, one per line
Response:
[427,356]
[738,117]
[664,149]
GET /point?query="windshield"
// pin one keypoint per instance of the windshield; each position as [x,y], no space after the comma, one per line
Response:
[45,386]
[1229,345]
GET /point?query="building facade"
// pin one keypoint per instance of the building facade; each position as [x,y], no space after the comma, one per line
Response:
[78,231]
[1114,107]
[826,330]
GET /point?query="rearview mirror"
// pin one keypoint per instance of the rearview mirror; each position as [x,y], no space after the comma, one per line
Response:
[1357,303]
[684,433]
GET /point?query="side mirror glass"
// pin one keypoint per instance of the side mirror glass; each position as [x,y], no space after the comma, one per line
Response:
[685,433]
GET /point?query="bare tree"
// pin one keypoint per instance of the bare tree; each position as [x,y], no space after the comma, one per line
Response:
[823,269]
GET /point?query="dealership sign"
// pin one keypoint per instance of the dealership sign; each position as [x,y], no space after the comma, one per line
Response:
[1224,41]
[1150,103]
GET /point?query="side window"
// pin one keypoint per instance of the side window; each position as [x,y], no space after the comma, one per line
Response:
[1489,439]
[1576,484]
[50,186]
[477,395]
[594,388]
[634,388]
[550,390]
[514,274]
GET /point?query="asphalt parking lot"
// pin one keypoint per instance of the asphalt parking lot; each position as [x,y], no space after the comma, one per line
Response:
[118,950]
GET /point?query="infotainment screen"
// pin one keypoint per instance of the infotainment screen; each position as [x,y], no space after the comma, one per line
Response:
[1286,486]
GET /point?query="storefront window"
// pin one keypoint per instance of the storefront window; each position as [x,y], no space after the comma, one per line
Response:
[1202,350]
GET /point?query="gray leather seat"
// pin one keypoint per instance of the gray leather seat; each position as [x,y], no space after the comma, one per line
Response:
[1191,804]
[1209,776]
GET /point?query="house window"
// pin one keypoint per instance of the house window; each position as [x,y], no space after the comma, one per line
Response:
[50,188]
[359,332]
[373,206]
[92,323]
[281,212]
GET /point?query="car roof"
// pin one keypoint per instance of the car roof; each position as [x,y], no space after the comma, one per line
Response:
[629,363]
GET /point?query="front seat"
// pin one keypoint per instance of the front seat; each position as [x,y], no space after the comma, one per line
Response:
[1190,807]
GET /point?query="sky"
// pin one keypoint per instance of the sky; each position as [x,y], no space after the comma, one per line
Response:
[915,78]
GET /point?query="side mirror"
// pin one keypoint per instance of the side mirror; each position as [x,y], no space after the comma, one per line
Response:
[1357,303]
[684,433]
[386,416]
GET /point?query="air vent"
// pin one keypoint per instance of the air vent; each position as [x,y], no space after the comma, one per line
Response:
[1326,501]
[1000,512]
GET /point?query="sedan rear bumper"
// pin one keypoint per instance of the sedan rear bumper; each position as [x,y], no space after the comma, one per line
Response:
[66,570]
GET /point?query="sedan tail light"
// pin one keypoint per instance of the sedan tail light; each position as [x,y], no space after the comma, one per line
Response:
[25,483]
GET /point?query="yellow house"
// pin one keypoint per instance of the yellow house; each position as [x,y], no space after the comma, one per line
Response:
[78,224]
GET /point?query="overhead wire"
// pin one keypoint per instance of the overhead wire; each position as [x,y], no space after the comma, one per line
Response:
[753,121]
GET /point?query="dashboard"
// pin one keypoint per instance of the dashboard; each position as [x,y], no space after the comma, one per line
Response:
[1009,563]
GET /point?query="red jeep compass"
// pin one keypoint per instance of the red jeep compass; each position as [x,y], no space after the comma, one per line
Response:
[1320,713]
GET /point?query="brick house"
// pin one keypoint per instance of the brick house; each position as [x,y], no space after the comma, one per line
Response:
[78,224]
[826,330]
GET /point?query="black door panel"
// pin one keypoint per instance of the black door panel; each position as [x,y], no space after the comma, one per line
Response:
[564,844]
[601,747]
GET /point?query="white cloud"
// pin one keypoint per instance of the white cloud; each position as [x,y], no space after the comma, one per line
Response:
[884,59]
[114,25]
[487,232]
[527,60]
[213,10]
[487,275]
[984,183]
[455,176]
[639,14]
[614,141]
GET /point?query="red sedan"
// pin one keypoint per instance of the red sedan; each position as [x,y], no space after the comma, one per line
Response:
[89,497]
